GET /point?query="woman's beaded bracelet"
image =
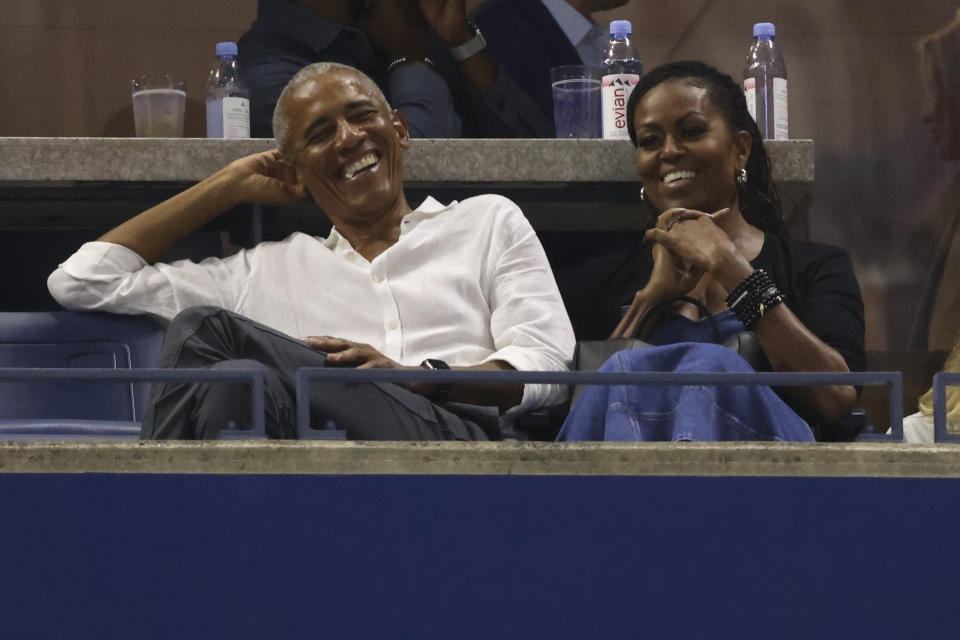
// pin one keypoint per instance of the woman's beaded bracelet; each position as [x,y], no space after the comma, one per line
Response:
[753,297]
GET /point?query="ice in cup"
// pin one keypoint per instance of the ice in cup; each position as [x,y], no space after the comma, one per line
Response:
[576,101]
[158,104]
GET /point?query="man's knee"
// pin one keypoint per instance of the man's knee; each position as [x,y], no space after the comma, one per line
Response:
[192,319]
[229,405]
[202,330]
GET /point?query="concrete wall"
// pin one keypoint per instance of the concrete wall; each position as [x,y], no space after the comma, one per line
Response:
[853,89]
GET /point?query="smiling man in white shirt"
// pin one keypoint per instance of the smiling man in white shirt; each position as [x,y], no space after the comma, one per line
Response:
[464,285]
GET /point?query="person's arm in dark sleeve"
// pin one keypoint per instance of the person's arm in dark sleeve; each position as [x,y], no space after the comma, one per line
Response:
[501,107]
[833,307]
[266,79]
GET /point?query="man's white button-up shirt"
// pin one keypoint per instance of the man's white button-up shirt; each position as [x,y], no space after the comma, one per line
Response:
[467,283]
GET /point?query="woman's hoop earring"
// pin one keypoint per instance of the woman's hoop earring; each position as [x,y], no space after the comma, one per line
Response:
[741,177]
[643,195]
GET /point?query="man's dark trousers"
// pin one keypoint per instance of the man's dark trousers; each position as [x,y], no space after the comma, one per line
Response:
[213,338]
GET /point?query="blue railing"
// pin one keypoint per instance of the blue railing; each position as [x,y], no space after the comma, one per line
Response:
[304,376]
[892,379]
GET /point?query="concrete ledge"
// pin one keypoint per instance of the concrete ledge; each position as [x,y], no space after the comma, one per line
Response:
[505,458]
[159,160]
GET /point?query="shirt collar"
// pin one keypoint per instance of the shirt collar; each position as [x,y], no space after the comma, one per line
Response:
[574,25]
[429,208]
[298,23]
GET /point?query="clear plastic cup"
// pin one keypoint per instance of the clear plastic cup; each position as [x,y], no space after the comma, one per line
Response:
[576,101]
[158,103]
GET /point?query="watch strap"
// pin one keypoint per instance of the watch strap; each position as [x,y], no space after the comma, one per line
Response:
[471,47]
[441,392]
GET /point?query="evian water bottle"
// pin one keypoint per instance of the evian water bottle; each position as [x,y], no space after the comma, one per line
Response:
[765,83]
[622,69]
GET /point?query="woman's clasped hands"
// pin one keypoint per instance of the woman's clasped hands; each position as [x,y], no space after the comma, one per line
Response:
[687,244]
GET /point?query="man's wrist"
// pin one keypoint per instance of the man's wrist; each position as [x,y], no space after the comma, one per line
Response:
[461,35]
[441,392]
[468,44]
[222,189]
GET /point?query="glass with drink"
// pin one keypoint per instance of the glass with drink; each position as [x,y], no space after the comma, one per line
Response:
[158,103]
[576,101]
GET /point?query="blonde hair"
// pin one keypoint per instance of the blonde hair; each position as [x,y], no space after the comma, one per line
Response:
[953,393]
[940,59]
[940,70]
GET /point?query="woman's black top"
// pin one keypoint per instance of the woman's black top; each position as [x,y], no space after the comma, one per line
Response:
[817,279]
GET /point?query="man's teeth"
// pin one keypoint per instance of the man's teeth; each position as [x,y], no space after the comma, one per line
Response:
[673,176]
[359,165]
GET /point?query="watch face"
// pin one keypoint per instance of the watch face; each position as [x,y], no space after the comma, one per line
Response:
[433,363]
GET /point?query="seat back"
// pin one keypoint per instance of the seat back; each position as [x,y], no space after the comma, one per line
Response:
[75,339]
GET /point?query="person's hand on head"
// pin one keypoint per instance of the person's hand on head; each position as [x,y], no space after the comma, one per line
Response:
[449,19]
[263,178]
[397,27]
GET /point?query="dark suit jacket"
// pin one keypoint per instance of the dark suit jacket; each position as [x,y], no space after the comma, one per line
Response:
[528,42]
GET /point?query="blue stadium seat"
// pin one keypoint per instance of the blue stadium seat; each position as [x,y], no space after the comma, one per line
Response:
[72,339]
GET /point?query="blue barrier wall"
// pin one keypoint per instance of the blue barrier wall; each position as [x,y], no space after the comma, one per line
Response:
[190,556]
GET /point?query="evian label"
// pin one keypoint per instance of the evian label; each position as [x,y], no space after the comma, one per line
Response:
[781,114]
[616,89]
[750,93]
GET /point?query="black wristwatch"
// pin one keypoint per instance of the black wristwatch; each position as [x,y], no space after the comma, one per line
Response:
[441,392]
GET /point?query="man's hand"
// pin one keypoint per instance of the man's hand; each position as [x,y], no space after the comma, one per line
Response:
[449,19]
[347,353]
[397,27]
[261,178]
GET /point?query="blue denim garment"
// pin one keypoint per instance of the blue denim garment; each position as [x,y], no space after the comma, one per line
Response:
[696,413]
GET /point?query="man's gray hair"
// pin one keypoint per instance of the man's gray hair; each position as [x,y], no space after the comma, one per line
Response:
[281,122]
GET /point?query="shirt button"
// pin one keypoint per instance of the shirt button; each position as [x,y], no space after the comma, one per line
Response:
[392,325]
[351,257]
[378,277]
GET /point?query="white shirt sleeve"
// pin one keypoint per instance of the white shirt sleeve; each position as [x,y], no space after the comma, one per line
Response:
[102,276]
[917,429]
[529,324]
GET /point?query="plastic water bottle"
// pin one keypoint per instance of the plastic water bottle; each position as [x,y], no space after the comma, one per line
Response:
[622,69]
[765,83]
[228,99]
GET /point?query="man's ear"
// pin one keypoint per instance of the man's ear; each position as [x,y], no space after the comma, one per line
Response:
[400,126]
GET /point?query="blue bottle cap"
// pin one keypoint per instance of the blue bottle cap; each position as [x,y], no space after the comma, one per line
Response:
[226,49]
[620,28]
[764,30]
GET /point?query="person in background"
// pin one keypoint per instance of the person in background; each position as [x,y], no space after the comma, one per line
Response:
[530,37]
[464,285]
[423,54]
[935,325]
[918,427]
[718,237]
